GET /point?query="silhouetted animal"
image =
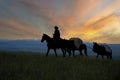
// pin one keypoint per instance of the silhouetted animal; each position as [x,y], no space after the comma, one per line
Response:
[52,44]
[76,44]
[102,49]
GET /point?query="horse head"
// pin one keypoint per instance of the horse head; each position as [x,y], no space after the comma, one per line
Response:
[45,37]
[95,45]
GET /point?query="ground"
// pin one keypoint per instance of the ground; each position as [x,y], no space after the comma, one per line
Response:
[32,66]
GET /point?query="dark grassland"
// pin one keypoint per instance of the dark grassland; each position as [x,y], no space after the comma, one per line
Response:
[30,66]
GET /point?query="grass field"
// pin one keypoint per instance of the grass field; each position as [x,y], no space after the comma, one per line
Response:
[30,66]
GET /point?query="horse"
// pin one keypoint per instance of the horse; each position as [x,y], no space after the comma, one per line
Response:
[102,49]
[53,44]
[76,44]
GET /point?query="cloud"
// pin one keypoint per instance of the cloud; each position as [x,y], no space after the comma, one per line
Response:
[89,20]
[104,29]
[14,28]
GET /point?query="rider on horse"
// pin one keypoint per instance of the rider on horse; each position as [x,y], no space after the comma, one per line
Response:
[56,35]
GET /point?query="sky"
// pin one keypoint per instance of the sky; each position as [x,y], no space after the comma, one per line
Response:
[90,20]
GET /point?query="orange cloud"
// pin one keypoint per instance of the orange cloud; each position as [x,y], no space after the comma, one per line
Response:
[90,20]
[105,28]
[14,27]
[100,31]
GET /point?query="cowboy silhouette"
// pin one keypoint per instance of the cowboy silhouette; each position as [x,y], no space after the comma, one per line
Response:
[56,35]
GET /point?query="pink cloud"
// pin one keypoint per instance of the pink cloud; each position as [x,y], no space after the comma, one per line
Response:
[19,28]
[85,19]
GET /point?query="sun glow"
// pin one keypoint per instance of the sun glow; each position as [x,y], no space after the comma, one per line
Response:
[89,20]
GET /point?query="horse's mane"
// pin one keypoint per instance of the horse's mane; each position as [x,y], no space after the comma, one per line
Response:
[95,43]
[46,35]
[105,46]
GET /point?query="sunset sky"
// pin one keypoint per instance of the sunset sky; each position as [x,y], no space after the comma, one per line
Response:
[90,20]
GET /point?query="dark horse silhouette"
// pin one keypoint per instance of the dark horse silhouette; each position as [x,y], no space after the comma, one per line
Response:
[76,44]
[63,44]
[102,50]
[52,44]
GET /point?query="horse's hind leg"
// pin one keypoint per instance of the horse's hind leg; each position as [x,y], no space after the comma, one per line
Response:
[69,52]
[47,51]
[80,50]
[55,52]
[107,56]
[73,53]
[110,56]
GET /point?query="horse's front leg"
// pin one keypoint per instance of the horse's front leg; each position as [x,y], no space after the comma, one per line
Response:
[107,56]
[63,51]
[55,52]
[102,56]
[69,51]
[73,52]
[47,51]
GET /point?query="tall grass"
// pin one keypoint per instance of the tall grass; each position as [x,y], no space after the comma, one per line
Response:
[30,66]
